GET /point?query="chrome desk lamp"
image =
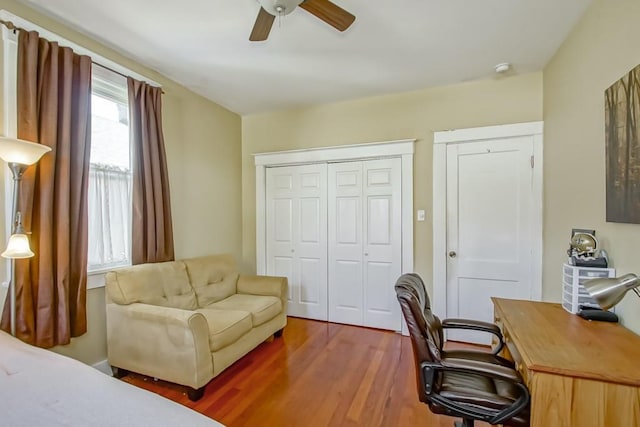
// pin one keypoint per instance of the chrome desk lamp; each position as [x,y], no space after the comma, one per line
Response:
[607,292]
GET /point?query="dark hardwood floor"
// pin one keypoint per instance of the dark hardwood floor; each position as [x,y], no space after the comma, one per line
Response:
[316,374]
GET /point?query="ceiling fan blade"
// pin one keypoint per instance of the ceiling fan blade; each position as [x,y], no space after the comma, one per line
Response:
[330,13]
[262,27]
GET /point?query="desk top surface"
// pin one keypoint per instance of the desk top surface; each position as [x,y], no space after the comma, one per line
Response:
[549,339]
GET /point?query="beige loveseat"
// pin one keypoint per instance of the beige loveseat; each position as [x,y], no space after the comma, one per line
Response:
[186,321]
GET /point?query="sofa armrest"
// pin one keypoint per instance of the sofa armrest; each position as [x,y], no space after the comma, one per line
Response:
[265,285]
[162,342]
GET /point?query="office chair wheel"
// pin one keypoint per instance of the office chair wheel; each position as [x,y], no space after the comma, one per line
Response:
[464,423]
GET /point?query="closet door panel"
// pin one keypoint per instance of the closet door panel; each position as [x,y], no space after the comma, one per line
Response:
[283,227]
[345,243]
[297,235]
[379,219]
[347,216]
[313,289]
[280,226]
[346,294]
[379,275]
[310,221]
[283,267]
[383,242]
[311,248]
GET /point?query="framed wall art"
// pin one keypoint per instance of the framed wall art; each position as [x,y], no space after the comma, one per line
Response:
[622,142]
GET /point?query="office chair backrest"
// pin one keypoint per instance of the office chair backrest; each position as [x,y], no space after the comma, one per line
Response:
[425,328]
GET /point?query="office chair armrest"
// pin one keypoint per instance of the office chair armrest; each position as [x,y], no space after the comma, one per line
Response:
[475,367]
[476,325]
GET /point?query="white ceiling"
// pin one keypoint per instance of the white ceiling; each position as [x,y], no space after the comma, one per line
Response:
[393,46]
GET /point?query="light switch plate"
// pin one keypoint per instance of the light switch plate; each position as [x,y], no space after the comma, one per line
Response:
[421,215]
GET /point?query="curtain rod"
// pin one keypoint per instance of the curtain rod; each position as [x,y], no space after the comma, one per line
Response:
[12,27]
[117,72]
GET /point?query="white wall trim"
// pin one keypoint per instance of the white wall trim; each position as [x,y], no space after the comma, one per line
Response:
[439,229]
[104,367]
[407,212]
[95,279]
[488,132]
[261,219]
[9,102]
[538,177]
[440,141]
[401,148]
[337,153]
[51,36]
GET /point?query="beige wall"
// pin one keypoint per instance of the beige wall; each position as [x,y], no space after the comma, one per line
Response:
[600,50]
[399,116]
[203,155]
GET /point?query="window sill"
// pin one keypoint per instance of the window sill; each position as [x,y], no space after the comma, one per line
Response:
[95,278]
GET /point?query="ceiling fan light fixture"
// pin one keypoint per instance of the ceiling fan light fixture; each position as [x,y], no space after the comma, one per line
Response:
[279,7]
[502,68]
[324,10]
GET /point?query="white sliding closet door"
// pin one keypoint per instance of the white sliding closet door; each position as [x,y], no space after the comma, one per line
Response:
[365,243]
[383,242]
[296,235]
[346,246]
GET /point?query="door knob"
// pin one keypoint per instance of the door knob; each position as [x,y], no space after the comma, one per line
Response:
[452,254]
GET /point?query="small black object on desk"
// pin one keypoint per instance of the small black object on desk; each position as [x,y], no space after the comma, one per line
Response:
[590,313]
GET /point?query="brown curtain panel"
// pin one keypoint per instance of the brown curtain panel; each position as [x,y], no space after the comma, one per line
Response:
[152,229]
[54,108]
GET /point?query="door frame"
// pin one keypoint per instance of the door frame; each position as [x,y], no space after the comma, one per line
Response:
[377,150]
[470,135]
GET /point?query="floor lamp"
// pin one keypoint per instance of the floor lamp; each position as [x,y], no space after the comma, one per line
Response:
[19,155]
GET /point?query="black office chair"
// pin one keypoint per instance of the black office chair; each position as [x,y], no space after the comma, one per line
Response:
[468,324]
[467,384]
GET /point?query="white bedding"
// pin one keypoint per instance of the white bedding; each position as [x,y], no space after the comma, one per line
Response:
[42,388]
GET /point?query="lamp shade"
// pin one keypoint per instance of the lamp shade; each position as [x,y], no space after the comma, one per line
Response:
[279,7]
[609,292]
[18,247]
[14,150]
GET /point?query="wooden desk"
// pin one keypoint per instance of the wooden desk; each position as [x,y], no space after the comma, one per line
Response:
[579,373]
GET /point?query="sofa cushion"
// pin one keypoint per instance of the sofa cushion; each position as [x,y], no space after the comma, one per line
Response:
[213,277]
[225,326]
[262,308]
[165,284]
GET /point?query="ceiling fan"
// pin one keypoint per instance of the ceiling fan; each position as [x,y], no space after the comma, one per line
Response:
[325,10]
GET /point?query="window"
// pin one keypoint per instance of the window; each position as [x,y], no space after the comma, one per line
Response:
[110,215]
[109,173]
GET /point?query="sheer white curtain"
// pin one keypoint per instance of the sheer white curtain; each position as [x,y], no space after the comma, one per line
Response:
[109,216]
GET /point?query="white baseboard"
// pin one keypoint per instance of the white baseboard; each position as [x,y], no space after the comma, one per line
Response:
[104,367]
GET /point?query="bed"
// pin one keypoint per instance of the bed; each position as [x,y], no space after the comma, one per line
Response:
[42,388]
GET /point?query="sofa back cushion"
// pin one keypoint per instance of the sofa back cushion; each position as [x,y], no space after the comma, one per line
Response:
[165,284]
[213,277]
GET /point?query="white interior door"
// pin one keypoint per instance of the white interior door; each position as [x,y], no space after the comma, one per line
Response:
[365,243]
[490,227]
[296,235]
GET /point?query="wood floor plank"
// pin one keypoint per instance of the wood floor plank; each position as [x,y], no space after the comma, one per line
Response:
[318,374]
